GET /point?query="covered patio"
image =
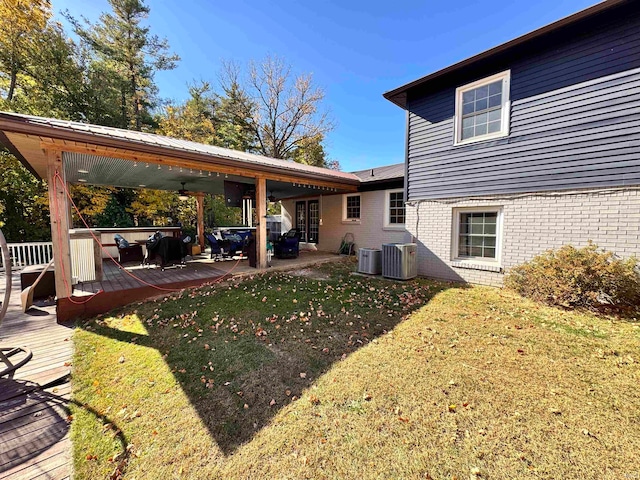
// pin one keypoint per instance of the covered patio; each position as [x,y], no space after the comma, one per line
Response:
[64,153]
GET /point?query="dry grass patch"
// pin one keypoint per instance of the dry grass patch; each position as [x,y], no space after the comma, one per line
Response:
[478,383]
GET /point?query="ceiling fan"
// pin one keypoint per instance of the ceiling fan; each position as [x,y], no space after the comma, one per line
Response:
[182,193]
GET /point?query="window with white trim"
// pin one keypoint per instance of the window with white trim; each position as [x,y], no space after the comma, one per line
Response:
[395,209]
[477,234]
[351,208]
[482,109]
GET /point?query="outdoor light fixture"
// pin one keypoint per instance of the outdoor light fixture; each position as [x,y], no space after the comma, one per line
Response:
[182,193]
[272,198]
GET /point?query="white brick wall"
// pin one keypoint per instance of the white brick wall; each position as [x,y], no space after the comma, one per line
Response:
[532,223]
[369,233]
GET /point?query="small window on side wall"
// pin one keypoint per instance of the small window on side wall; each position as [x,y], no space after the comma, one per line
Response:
[351,208]
[395,209]
[477,234]
[482,109]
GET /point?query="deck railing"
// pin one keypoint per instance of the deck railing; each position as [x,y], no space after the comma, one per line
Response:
[29,253]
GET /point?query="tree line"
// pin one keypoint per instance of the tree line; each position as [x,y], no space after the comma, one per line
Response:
[105,74]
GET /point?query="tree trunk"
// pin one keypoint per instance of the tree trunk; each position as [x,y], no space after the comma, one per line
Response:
[13,82]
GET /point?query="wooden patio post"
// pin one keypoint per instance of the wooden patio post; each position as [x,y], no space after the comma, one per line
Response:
[261,218]
[200,204]
[59,209]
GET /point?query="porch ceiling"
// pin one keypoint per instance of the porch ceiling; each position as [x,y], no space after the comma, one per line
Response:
[116,172]
[123,158]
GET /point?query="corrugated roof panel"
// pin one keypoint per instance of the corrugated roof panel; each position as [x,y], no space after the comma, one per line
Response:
[179,145]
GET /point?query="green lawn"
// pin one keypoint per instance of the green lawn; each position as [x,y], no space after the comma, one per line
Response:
[324,374]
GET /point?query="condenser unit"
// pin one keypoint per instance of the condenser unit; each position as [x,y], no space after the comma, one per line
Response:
[399,260]
[370,261]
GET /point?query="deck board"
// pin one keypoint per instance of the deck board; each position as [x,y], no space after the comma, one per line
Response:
[34,432]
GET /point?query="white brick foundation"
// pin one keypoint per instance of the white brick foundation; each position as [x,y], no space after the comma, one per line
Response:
[532,223]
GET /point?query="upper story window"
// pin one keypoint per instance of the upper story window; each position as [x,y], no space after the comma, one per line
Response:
[351,208]
[482,109]
[395,211]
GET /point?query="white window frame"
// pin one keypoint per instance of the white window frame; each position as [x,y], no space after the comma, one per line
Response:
[506,108]
[387,210]
[497,261]
[344,208]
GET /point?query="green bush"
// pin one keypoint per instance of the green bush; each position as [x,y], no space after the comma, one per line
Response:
[577,277]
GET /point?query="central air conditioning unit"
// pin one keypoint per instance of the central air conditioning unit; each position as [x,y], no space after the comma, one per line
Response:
[370,261]
[400,260]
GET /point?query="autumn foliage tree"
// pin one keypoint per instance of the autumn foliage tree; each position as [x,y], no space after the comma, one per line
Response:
[22,22]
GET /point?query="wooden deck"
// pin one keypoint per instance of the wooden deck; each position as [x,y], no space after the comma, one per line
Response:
[34,433]
[135,282]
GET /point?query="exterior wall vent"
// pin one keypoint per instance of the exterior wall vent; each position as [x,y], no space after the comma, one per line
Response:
[370,261]
[399,260]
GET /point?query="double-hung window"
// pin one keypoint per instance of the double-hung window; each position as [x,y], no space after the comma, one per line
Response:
[351,208]
[395,209]
[482,109]
[477,235]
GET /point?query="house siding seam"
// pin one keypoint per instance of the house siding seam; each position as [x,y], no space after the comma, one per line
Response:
[574,123]
[369,233]
[532,224]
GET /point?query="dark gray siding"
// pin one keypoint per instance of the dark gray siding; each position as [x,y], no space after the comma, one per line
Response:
[575,123]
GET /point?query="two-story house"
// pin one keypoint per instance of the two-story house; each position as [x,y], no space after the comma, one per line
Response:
[528,146]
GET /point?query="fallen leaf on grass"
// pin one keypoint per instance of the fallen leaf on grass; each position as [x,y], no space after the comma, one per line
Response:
[272,402]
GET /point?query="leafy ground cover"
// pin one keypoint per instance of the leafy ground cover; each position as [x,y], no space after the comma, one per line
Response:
[324,374]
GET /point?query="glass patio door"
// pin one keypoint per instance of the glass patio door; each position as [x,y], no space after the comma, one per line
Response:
[313,208]
[301,220]
[308,220]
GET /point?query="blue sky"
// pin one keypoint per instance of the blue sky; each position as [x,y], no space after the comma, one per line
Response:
[356,50]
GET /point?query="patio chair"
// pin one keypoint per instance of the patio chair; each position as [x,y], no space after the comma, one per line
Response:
[217,252]
[288,245]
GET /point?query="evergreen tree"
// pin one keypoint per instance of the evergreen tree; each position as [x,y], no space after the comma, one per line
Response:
[130,54]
